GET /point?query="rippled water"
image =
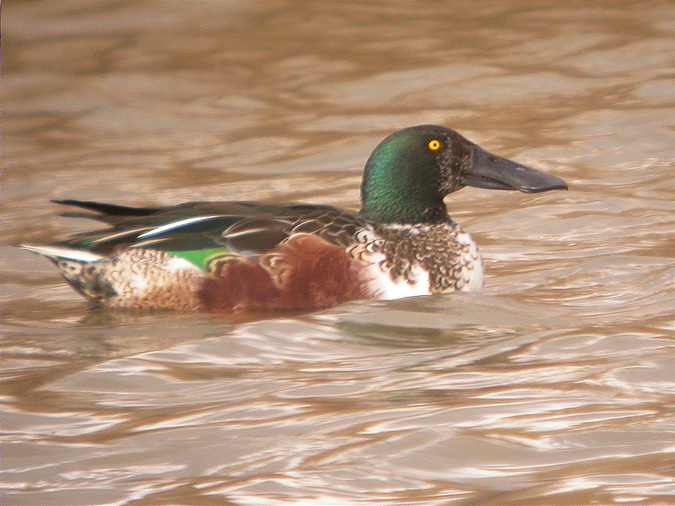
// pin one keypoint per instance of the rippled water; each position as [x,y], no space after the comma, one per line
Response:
[555,385]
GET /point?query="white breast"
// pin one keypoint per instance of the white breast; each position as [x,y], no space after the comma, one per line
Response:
[383,285]
[472,273]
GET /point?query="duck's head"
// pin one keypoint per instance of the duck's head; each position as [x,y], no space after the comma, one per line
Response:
[410,172]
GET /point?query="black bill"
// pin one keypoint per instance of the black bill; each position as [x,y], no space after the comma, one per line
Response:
[497,173]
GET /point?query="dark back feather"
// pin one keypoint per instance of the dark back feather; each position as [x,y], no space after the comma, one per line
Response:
[245,228]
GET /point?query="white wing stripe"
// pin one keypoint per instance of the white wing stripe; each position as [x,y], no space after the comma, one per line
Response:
[117,235]
[178,224]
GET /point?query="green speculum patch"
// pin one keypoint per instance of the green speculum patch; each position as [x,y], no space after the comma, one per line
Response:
[199,257]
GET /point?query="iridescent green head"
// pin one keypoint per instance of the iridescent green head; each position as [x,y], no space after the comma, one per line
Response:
[410,172]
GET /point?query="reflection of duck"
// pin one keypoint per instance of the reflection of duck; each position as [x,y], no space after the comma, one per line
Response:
[251,256]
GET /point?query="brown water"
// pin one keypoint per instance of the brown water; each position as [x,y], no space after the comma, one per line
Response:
[555,385]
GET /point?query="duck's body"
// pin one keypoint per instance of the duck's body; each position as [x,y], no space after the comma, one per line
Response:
[235,256]
[244,256]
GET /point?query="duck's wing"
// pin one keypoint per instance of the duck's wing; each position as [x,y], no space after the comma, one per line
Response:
[108,213]
[204,229]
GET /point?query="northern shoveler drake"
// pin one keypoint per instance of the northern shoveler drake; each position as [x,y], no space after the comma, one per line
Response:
[247,256]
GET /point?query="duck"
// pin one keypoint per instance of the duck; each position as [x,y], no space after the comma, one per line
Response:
[239,256]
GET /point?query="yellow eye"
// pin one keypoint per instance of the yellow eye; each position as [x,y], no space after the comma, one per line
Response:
[434,145]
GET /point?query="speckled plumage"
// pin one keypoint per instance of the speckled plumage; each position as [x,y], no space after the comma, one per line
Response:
[137,279]
[444,250]
[244,256]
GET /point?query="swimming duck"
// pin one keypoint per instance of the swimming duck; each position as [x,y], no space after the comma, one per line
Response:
[248,256]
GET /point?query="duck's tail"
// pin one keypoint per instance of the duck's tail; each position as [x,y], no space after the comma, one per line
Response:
[60,253]
[81,269]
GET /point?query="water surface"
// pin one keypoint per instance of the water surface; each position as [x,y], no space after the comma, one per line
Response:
[555,385]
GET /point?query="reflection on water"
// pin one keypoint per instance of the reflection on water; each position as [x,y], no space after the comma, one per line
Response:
[553,386]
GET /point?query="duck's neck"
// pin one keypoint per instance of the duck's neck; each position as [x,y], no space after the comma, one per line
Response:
[393,210]
[393,191]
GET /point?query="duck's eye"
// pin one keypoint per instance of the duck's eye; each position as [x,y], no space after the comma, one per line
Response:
[434,145]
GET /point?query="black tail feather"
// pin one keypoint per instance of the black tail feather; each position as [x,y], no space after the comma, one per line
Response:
[108,209]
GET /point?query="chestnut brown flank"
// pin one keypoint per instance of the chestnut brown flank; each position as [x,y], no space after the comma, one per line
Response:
[305,272]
